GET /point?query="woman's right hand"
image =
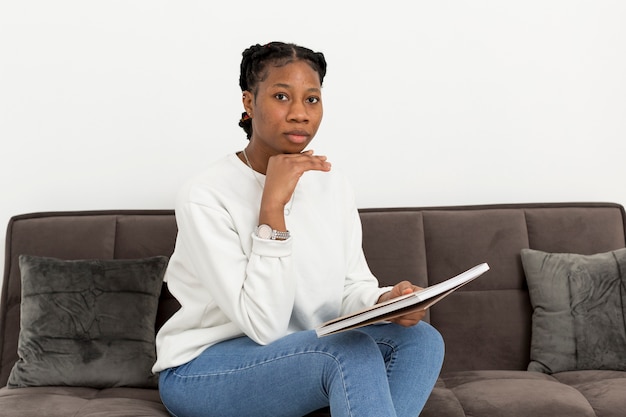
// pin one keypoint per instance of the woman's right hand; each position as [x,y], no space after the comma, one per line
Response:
[282,176]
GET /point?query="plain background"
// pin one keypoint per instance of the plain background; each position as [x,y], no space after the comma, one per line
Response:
[113,104]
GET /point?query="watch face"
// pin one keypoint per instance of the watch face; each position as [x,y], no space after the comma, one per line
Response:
[264,231]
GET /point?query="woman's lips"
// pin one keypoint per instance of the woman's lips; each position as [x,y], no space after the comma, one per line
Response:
[297,136]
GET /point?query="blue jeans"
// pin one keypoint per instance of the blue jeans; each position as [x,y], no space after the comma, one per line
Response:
[375,371]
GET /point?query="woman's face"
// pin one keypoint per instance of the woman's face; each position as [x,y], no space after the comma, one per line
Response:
[286,110]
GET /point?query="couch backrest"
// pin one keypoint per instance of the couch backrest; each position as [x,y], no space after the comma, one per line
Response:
[486,324]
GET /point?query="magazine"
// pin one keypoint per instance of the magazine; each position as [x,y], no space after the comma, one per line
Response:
[399,306]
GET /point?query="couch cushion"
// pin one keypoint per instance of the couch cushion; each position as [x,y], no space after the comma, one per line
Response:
[605,390]
[88,323]
[523,394]
[579,319]
[81,402]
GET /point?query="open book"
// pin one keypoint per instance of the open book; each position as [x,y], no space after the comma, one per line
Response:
[419,300]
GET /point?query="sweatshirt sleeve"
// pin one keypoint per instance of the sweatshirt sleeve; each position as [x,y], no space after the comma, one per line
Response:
[361,288]
[255,292]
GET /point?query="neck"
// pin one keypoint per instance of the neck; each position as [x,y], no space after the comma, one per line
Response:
[256,159]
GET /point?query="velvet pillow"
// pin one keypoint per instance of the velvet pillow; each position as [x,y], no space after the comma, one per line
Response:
[579,310]
[88,323]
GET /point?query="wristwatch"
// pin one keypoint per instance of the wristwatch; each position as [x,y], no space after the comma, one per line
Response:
[264,231]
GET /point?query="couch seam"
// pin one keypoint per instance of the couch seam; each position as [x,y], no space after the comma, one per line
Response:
[115,230]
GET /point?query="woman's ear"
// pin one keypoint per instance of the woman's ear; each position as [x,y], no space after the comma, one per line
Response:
[247,99]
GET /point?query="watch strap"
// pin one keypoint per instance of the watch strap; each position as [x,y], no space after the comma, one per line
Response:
[278,235]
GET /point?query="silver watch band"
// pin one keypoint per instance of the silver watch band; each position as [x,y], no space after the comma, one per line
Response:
[277,234]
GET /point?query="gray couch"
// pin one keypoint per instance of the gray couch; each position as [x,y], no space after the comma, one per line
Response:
[486,324]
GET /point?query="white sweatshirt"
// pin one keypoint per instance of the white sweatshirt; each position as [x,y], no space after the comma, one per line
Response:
[230,283]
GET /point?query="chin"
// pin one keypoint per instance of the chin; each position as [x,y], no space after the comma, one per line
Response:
[296,147]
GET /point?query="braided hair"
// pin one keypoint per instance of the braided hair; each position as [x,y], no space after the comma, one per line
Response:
[256,59]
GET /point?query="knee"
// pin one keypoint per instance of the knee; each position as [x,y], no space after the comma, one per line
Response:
[430,340]
[422,340]
[351,353]
[353,344]
[429,333]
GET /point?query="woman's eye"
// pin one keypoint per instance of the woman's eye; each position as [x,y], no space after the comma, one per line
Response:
[313,100]
[281,96]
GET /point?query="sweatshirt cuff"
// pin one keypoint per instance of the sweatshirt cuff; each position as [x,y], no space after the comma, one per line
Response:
[381,291]
[271,248]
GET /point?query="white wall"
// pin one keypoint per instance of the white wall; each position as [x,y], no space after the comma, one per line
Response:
[112,104]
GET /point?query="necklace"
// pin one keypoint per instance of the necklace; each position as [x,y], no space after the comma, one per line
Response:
[293,197]
[245,155]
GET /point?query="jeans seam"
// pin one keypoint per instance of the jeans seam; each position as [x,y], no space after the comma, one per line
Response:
[337,361]
[168,410]
[392,355]
[231,371]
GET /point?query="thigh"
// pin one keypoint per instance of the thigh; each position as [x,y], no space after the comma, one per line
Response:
[292,376]
[239,377]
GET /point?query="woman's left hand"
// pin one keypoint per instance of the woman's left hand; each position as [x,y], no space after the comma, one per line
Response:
[402,288]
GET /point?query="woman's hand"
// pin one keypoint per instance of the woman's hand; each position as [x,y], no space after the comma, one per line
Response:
[403,288]
[284,172]
[282,176]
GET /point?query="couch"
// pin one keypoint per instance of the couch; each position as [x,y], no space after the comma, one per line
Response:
[487,325]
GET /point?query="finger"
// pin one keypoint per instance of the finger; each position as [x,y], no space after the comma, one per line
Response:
[303,157]
[403,287]
[410,319]
[299,163]
[315,163]
[405,322]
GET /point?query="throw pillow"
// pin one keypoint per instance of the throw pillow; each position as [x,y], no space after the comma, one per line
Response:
[579,310]
[88,323]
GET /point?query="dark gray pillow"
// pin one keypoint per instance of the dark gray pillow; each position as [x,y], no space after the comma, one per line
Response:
[579,310]
[88,323]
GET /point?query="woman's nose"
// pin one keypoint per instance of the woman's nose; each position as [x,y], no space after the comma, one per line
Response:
[298,112]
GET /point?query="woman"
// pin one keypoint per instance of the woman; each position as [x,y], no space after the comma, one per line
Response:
[269,246]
